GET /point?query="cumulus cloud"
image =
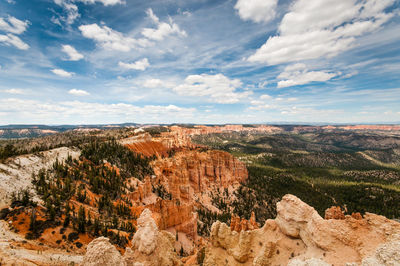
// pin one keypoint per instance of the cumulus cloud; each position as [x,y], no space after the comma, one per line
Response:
[111,39]
[218,88]
[62,73]
[298,74]
[163,29]
[11,39]
[256,10]
[23,110]
[138,65]
[13,25]
[78,92]
[72,53]
[313,29]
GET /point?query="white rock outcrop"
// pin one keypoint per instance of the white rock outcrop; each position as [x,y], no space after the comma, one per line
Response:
[150,246]
[309,262]
[101,252]
[387,254]
[300,236]
[145,239]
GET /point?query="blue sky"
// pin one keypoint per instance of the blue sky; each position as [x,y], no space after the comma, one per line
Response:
[203,61]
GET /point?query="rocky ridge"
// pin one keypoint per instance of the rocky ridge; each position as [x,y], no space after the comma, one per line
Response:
[16,173]
[299,236]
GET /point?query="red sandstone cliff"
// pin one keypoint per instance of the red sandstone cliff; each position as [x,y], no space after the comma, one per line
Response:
[190,172]
[183,171]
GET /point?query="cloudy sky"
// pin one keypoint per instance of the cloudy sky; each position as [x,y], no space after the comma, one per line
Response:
[199,61]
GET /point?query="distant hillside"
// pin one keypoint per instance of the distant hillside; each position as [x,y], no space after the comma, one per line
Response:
[34,131]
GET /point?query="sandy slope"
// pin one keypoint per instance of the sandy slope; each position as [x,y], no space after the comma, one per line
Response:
[15,250]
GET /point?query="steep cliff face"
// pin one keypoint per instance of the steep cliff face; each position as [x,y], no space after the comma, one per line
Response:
[190,172]
[146,145]
[186,176]
[200,130]
[300,236]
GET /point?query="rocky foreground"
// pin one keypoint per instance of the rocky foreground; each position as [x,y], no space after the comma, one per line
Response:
[298,236]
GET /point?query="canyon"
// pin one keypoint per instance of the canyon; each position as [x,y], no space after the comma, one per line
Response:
[187,179]
[188,175]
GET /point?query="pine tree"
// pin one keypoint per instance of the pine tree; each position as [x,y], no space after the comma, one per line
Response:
[81,220]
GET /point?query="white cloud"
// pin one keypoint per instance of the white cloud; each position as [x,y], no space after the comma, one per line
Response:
[104,2]
[111,39]
[78,112]
[257,10]
[314,28]
[11,39]
[138,65]
[73,54]
[163,29]
[218,88]
[78,92]
[158,83]
[14,91]
[298,74]
[13,25]
[72,9]
[62,73]
[153,83]
[265,97]
[266,101]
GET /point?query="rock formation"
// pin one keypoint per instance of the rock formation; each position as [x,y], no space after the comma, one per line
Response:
[385,254]
[238,224]
[191,172]
[184,175]
[309,262]
[146,145]
[300,236]
[101,252]
[150,247]
[334,212]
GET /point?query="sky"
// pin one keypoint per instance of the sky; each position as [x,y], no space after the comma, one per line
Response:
[199,61]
